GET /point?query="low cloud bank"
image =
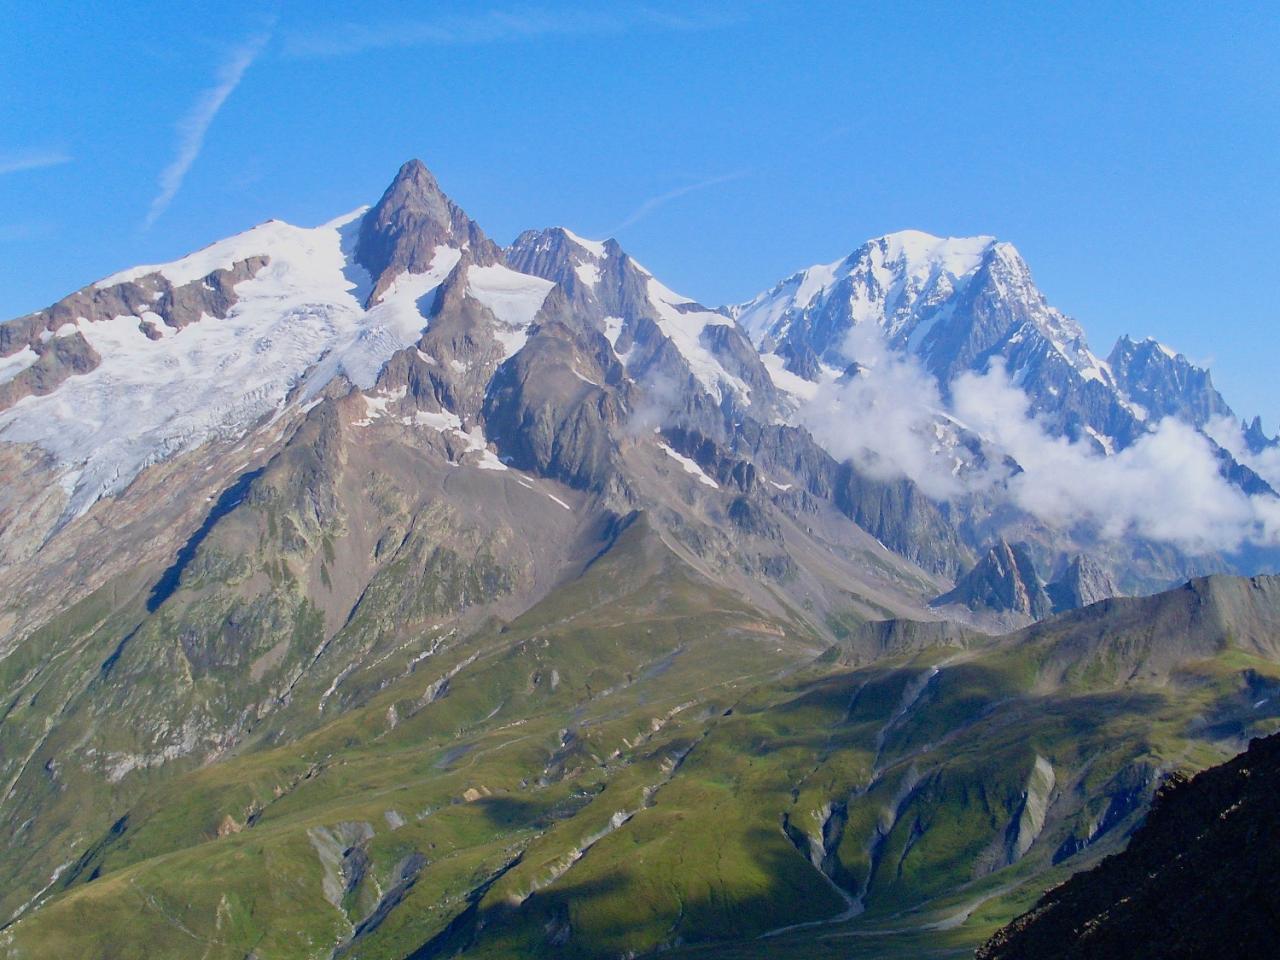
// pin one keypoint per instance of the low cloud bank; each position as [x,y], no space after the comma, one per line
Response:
[891,420]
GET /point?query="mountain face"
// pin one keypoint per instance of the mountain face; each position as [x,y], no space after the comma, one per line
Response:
[374,590]
[955,305]
[1195,881]
[1165,383]
[1084,582]
[1005,579]
[958,305]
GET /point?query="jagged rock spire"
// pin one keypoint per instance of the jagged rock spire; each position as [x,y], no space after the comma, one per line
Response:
[403,229]
[1004,579]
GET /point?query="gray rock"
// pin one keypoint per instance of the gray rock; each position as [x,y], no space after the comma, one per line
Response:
[413,217]
[1084,581]
[1004,579]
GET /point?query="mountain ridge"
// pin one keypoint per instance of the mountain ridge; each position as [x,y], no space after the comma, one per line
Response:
[550,552]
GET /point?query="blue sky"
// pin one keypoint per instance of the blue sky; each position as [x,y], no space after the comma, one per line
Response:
[1129,151]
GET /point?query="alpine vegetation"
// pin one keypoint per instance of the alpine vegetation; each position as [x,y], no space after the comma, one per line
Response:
[375,590]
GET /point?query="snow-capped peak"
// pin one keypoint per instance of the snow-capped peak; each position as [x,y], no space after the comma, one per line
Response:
[919,252]
[593,247]
[880,282]
[300,317]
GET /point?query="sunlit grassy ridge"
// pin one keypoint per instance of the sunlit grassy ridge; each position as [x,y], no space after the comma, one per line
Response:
[642,762]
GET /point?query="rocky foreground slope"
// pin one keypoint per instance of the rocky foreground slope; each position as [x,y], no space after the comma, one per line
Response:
[1197,880]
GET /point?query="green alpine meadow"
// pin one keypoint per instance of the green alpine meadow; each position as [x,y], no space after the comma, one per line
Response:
[384,576]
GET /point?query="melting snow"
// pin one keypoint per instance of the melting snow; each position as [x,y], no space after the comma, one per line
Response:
[690,467]
[514,298]
[447,422]
[376,406]
[11,366]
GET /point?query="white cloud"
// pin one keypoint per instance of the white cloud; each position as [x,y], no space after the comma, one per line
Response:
[891,420]
[195,125]
[500,26]
[1166,486]
[651,204]
[32,160]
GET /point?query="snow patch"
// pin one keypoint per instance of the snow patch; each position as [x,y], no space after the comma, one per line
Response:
[690,467]
[684,328]
[588,273]
[13,365]
[513,298]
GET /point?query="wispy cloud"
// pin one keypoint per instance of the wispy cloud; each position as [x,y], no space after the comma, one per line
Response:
[653,203]
[501,25]
[195,125]
[32,160]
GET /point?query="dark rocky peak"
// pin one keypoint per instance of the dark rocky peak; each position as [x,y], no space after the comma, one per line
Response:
[403,229]
[557,406]
[1085,581]
[599,276]
[1005,579]
[554,253]
[575,264]
[1165,383]
[1256,438]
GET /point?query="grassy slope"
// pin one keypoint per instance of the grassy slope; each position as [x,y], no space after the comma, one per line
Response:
[633,764]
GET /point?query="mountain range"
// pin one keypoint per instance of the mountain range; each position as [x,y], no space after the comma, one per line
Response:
[373,590]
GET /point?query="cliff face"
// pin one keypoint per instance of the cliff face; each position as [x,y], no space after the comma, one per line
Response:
[1005,579]
[1197,880]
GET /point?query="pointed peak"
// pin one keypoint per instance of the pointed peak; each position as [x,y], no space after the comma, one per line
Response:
[560,238]
[415,190]
[414,218]
[413,167]
[1148,347]
[597,248]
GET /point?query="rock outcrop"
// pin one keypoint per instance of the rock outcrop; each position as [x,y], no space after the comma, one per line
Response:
[1197,880]
[1005,579]
[1084,581]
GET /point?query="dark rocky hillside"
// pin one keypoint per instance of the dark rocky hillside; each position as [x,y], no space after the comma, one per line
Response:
[1197,880]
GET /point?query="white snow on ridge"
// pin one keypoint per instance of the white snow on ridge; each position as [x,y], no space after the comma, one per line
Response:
[785,380]
[300,316]
[684,328]
[13,365]
[888,275]
[514,298]
[274,237]
[395,322]
[689,466]
[593,247]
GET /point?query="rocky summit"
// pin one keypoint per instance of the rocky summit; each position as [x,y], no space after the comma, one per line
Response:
[372,590]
